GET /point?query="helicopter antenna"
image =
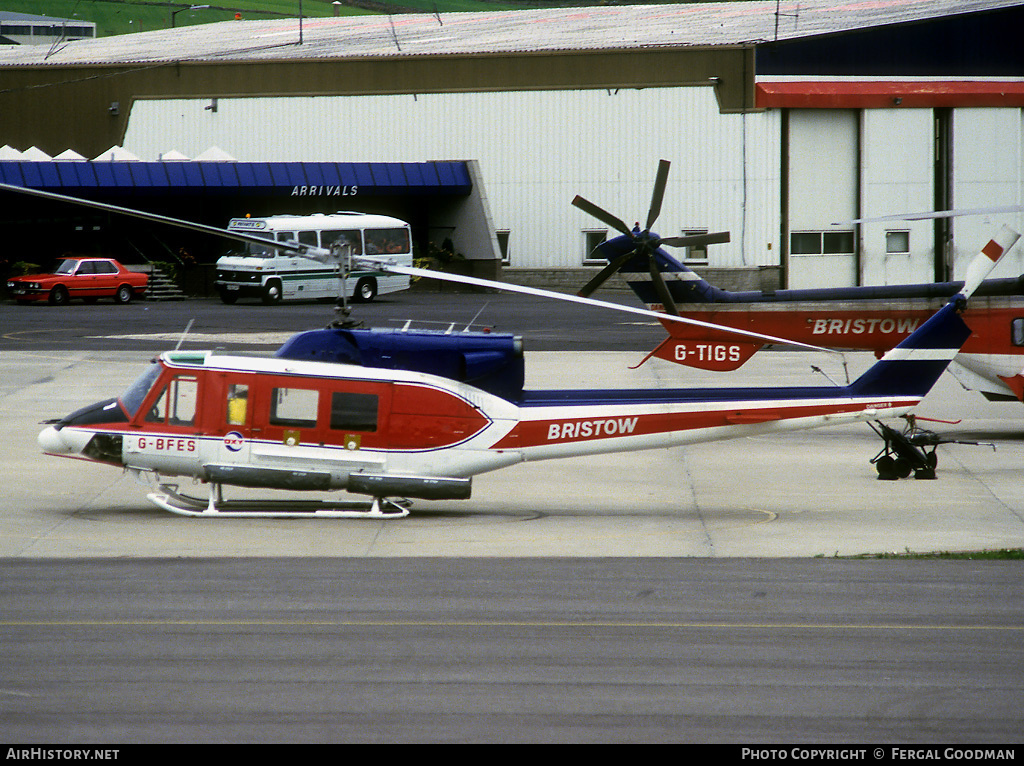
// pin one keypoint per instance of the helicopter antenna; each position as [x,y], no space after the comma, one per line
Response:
[475,317]
[187,328]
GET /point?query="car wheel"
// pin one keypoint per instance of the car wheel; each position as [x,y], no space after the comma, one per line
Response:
[272,292]
[123,294]
[58,296]
[366,289]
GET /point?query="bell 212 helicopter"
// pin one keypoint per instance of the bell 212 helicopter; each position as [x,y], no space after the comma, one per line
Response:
[397,414]
[864,318]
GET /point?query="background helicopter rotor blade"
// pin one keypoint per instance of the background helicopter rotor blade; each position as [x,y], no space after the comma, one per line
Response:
[659,192]
[712,238]
[601,214]
[605,273]
[661,288]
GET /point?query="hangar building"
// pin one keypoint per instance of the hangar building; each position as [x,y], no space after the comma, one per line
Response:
[784,122]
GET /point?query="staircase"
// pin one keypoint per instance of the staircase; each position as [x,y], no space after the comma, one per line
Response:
[162,287]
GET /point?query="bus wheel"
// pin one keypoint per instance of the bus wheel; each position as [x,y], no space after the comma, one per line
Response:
[228,296]
[272,292]
[366,289]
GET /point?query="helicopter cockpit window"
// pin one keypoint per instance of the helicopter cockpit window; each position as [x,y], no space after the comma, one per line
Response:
[177,403]
[132,399]
[387,241]
[351,237]
[353,412]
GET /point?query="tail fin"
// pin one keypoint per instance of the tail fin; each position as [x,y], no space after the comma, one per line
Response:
[913,367]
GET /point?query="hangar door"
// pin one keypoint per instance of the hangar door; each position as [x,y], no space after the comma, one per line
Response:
[822,189]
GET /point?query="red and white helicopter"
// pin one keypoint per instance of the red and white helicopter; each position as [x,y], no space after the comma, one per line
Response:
[856,318]
[416,414]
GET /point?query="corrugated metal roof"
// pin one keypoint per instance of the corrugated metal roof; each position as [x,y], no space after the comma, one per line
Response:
[500,32]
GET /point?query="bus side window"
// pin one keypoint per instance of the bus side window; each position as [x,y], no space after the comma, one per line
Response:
[238,404]
[308,238]
[387,241]
[1017,331]
[349,237]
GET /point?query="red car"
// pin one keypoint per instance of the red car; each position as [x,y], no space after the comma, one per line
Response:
[88,278]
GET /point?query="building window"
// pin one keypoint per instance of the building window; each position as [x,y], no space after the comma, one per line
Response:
[592,239]
[897,241]
[503,235]
[695,254]
[821,243]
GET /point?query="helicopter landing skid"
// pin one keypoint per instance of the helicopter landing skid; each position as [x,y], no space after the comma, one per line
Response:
[168,498]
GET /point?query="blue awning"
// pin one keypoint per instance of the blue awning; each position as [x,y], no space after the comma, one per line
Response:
[265,179]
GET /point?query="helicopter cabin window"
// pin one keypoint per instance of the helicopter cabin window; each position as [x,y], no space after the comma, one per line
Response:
[238,404]
[1017,331]
[350,237]
[354,412]
[387,241]
[592,239]
[294,407]
[176,405]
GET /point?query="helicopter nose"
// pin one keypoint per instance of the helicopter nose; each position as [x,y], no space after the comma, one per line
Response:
[52,442]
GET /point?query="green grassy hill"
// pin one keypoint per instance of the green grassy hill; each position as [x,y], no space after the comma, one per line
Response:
[116,17]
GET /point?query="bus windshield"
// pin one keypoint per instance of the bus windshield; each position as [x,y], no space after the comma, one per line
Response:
[254,249]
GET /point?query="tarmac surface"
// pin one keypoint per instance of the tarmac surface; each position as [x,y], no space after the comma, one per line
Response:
[684,595]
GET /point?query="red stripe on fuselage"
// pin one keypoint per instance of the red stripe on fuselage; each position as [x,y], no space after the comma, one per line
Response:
[534,433]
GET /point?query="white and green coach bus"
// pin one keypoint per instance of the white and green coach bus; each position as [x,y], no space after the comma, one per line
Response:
[272,275]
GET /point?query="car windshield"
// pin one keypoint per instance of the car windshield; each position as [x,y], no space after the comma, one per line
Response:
[132,399]
[66,266]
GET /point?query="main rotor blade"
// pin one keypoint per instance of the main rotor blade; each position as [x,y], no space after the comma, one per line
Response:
[605,273]
[659,192]
[926,215]
[601,214]
[661,288]
[714,238]
[412,271]
[290,246]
